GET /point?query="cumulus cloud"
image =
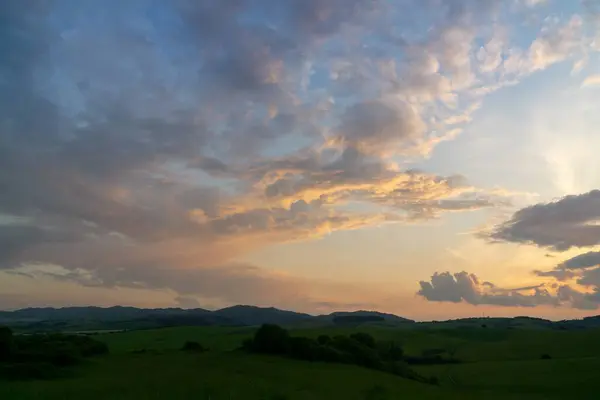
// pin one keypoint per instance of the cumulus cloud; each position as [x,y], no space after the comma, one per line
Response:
[574,283]
[465,287]
[571,221]
[135,146]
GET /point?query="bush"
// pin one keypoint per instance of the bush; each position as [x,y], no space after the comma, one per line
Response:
[391,352]
[303,348]
[41,356]
[324,340]
[364,338]
[360,354]
[194,347]
[271,339]
[6,343]
[358,349]
[546,357]
[332,355]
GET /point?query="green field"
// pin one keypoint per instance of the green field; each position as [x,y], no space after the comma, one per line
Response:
[498,364]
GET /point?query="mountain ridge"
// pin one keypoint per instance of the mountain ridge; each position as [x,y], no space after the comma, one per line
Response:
[127,317]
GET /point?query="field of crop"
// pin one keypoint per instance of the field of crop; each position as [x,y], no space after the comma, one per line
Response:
[498,364]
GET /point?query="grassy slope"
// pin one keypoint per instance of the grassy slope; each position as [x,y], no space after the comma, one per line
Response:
[219,376]
[503,364]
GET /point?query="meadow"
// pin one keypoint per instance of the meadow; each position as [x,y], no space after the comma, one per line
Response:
[496,364]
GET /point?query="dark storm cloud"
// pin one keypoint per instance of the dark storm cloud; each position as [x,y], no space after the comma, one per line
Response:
[560,225]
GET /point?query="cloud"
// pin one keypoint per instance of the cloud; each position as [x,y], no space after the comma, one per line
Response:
[465,287]
[558,274]
[132,142]
[579,300]
[555,45]
[220,285]
[187,302]
[571,221]
[578,266]
[592,80]
[582,272]
[534,3]
[589,259]
[375,126]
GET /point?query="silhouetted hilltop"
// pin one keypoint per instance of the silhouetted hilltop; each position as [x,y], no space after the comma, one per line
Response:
[119,317]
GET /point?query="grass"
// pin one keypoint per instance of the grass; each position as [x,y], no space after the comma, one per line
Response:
[500,364]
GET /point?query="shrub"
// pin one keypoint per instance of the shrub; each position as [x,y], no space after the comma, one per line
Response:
[6,342]
[391,352]
[41,356]
[330,354]
[359,353]
[303,348]
[364,338]
[194,347]
[546,357]
[358,349]
[271,339]
[324,340]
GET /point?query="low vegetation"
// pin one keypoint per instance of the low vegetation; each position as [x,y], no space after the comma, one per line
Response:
[206,363]
[43,356]
[357,349]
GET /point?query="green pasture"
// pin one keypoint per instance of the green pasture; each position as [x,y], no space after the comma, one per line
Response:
[498,364]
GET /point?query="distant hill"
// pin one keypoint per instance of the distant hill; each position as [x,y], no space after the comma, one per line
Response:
[251,315]
[89,313]
[375,314]
[118,318]
[98,318]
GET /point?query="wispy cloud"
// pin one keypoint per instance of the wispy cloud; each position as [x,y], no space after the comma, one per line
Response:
[592,80]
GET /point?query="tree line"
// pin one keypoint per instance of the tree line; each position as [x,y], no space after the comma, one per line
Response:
[42,356]
[358,349]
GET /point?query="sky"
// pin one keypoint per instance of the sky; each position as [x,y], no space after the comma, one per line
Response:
[429,158]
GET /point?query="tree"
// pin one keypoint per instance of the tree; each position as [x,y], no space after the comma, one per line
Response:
[193,347]
[359,353]
[395,352]
[324,340]
[303,348]
[364,338]
[271,339]
[6,342]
